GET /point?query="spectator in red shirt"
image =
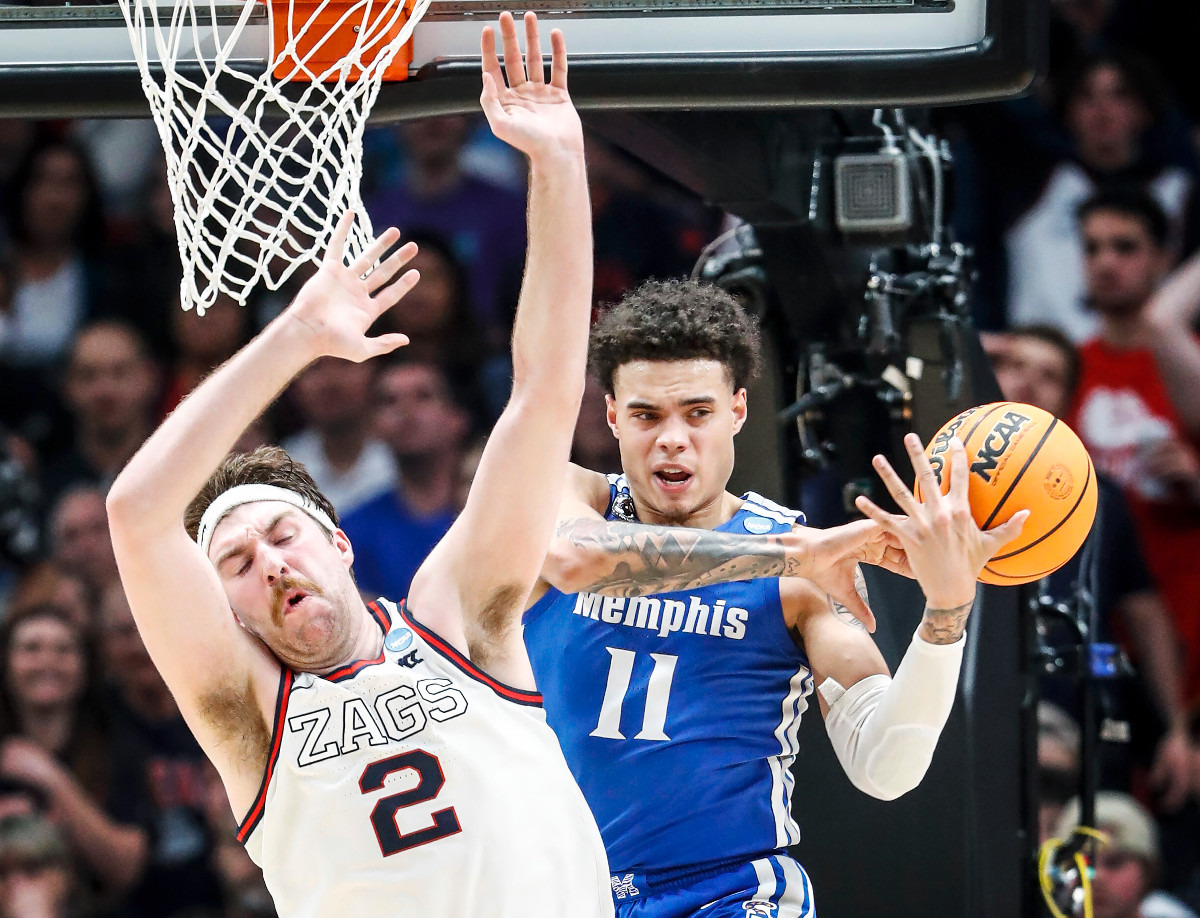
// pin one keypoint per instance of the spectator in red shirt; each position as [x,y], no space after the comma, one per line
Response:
[1137,406]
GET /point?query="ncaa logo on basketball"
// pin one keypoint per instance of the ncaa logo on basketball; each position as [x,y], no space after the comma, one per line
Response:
[1005,432]
[398,639]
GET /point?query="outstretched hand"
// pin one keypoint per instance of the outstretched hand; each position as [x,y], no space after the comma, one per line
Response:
[830,559]
[528,113]
[944,546]
[338,304]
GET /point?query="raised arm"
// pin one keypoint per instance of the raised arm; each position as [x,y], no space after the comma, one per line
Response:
[473,586]
[221,677]
[1171,315]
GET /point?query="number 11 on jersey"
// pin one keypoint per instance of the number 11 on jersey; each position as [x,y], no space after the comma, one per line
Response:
[658,691]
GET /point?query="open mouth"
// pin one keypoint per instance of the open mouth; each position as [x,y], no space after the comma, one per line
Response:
[672,479]
[294,600]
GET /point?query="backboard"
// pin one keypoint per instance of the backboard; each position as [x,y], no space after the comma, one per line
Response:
[627,54]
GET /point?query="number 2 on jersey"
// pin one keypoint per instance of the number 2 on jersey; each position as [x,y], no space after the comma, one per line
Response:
[383,816]
[658,691]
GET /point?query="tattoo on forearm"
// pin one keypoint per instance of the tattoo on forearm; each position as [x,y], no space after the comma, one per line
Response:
[945,626]
[655,559]
[844,615]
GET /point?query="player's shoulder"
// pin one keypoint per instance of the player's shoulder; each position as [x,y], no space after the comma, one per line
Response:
[756,506]
[592,488]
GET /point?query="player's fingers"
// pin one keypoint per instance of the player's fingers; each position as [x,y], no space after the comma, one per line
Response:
[389,296]
[558,61]
[888,521]
[337,239]
[379,277]
[931,489]
[489,99]
[489,62]
[842,541]
[363,265]
[514,66]
[534,67]
[385,344]
[897,488]
[1001,535]
[958,472]
[896,561]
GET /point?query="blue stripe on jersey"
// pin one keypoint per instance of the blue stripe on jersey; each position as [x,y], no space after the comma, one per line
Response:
[677,710]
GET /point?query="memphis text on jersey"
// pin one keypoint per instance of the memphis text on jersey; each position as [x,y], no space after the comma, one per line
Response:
[687,615]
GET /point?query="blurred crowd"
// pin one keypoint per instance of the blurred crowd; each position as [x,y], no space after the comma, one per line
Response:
[107,806]
[1080,200]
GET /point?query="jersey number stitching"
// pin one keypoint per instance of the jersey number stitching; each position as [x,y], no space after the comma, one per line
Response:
[383,816]
[658,691]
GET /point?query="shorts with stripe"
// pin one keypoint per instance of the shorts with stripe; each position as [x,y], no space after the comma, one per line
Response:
[769,887]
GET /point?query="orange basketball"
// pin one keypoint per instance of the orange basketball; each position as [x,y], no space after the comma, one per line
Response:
[1023,458]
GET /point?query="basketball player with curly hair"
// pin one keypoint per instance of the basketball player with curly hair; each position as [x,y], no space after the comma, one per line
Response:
[677,641]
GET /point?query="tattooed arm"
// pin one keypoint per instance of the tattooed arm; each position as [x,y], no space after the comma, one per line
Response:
[593,555]
[945,626]
[633,559]
[840,612]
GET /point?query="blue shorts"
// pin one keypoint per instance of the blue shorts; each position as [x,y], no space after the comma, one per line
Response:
[769,887]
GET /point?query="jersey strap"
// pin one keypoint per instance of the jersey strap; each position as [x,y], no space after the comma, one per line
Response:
[254,816]
[350,670]
[443,647]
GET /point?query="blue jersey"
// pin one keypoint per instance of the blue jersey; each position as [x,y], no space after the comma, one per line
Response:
[678,713]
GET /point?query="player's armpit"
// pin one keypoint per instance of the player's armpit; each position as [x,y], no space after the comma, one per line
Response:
[224,681]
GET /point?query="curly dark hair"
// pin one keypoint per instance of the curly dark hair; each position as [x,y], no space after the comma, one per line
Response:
[675,320]
[265,465]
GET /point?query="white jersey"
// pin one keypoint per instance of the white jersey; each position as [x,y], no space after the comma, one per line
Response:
[415,784]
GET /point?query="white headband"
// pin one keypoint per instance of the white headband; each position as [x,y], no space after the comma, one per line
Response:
[248,494]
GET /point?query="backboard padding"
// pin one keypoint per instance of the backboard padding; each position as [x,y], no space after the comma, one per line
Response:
[711,54]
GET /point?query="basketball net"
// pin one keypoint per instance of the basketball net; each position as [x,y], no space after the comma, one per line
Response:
[262,166]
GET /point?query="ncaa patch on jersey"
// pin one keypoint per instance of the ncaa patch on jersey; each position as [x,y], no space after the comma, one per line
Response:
[757,525]
[398,639]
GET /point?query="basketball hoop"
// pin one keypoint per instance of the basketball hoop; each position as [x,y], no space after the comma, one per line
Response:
[262,165]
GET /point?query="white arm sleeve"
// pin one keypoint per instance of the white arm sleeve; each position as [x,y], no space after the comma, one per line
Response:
[884,729]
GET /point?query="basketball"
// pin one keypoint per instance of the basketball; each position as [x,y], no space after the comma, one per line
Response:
[1023,458]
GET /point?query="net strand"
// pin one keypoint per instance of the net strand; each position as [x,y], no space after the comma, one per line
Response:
[261,168]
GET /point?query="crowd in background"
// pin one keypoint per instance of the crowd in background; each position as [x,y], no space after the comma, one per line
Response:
[1081,201]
